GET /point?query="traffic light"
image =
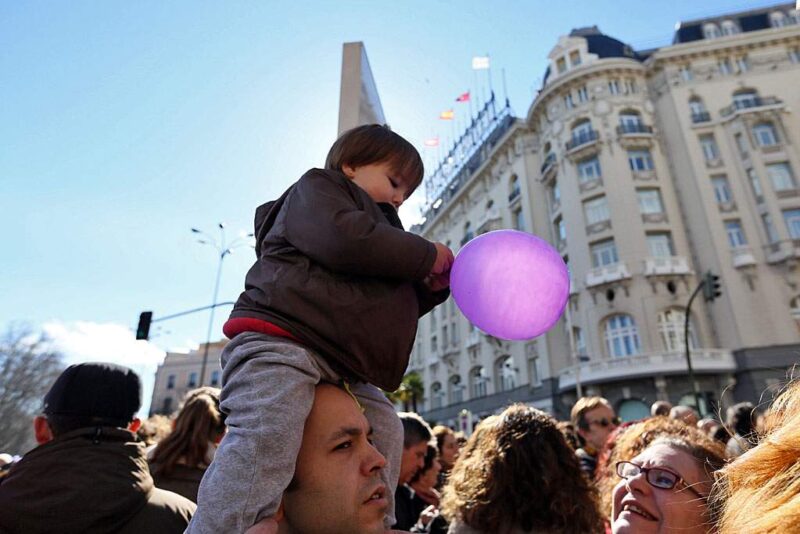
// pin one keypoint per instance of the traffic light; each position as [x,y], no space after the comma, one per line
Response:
[711,286]
[143,330]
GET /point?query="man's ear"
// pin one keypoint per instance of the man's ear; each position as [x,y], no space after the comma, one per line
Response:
[349,171]
[279,514]
[42,430]
[135,424]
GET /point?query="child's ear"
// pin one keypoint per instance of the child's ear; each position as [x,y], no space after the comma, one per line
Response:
[349,171]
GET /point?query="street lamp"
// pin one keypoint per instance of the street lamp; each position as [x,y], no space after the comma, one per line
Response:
[223,250]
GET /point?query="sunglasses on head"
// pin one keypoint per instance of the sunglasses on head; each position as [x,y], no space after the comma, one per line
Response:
[658,477]
[605,422]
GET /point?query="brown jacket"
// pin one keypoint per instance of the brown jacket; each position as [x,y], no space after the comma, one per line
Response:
[341,275]
[89,482]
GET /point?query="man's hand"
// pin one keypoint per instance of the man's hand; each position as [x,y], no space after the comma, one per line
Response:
[444,260]
[437,282]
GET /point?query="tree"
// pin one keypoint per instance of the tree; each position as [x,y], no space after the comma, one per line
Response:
[411,391]
[28,367]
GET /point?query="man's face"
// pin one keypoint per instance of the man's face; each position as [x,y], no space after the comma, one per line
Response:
[601,424]
[413,460]
[336,487]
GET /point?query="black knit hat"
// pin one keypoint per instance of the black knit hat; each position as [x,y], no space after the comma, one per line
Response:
[101,390]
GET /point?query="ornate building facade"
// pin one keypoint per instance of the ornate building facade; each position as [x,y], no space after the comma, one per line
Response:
[645,169]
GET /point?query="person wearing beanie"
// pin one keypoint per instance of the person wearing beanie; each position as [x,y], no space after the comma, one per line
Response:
[89,473]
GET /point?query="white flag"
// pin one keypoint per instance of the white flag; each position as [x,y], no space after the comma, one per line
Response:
[480,62]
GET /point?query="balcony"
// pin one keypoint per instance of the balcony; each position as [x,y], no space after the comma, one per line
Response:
[750,104]
[582,139]
[669,265]
[742,257]
[634,129]
[646,365]
[474,337]
[701,117]
[782,250]
[573,286]
[490,221]
[607,274]
[548,167]
[514,195]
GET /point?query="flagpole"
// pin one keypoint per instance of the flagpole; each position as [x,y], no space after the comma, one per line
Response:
[505,89]
[489,73]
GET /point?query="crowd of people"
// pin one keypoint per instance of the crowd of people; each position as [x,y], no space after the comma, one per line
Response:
[520,471]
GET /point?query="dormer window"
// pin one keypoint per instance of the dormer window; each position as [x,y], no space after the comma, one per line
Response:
[729,27]
[711,31]
[777,19]
[561,65]
[575,58]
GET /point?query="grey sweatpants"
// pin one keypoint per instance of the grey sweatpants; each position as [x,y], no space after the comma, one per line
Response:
[267,392]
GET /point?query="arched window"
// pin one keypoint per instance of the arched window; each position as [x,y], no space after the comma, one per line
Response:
[765,134]
[622,337]
[456,390]
[514,189]
[795,305]
[630,117]
[477,382]
[505,375]
[670,327]
[729,27]
[581,128]
[746,98]
[794,16]
[437,396]
[696,105]
[711,31]
[468,234]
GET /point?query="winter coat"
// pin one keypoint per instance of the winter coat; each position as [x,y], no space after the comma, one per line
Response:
[182,479]
[91,480]
[337,274]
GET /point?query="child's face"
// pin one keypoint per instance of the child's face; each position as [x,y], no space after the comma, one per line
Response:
[379,182]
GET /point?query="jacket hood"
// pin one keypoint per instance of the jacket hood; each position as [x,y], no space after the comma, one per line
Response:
[89,480]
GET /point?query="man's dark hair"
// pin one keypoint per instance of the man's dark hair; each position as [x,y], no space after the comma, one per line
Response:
[741,418]
[377,143]
[430,456]
[415,429]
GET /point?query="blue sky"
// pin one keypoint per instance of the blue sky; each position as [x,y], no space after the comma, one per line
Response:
[124,124]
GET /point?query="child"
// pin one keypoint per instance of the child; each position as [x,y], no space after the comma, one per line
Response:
[335,295]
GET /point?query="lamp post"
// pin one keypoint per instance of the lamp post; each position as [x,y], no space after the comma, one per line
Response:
[223,250]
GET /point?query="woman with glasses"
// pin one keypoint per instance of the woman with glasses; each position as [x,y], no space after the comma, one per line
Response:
[665,488]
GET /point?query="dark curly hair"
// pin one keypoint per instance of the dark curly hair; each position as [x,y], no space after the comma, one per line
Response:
[517,471]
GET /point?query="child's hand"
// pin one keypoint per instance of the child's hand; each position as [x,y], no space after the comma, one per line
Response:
[266,526]
[444,260]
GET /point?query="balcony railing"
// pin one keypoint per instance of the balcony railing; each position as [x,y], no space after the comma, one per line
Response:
[668,265]
[742,257]
[632,128]
[648,364]
[582,138]
[701,116]
[491,220]
[749,103]
[607,274]
[549,161]
[514,195]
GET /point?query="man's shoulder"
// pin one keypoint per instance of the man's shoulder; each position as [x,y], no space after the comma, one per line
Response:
[165,512]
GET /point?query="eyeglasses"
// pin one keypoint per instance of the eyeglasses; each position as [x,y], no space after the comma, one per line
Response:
[658,477]
[615,421]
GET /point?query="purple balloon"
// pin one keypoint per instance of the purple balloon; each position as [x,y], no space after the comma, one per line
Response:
[510,284]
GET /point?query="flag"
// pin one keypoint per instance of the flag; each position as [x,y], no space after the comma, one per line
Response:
[433,141]
[480,62]
[447,115]
[463,97]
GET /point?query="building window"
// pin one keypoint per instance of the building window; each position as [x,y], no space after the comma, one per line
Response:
[722,190]
[434,344]
[437,396]
[568,102]
[735,233]
[583,94]
[596,210]
[745,99]
[649,201]
[604,253]
[711,31]
[613,86]
[579,342]
[171,382]
[478,380]
[555,194]
[660,245]
[514,188]
[454,333]
[630,121]
[505,374]
[622,337]
[794,55]
[696,106]
[215,378]
[468,234]
[575,58]
[630,86]
[765,134]
[671,328]
[445,337]
[560,230]
[582,130]
[769,228]
[456,389]
[780,174]
[795,309]
[561,65]
[792,220]
[724,66]
[729,27]
[709,146]
[589,169]
[755,184]
[534,374]
[640,160]
[777,19]
[167,406]
[192,383]
[519,220]
[742,64]
[741,144]
[686,73]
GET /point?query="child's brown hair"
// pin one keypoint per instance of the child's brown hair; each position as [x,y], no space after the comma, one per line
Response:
[377,143]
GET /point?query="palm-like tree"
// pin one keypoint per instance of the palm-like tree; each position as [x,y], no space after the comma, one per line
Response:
[410,392]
